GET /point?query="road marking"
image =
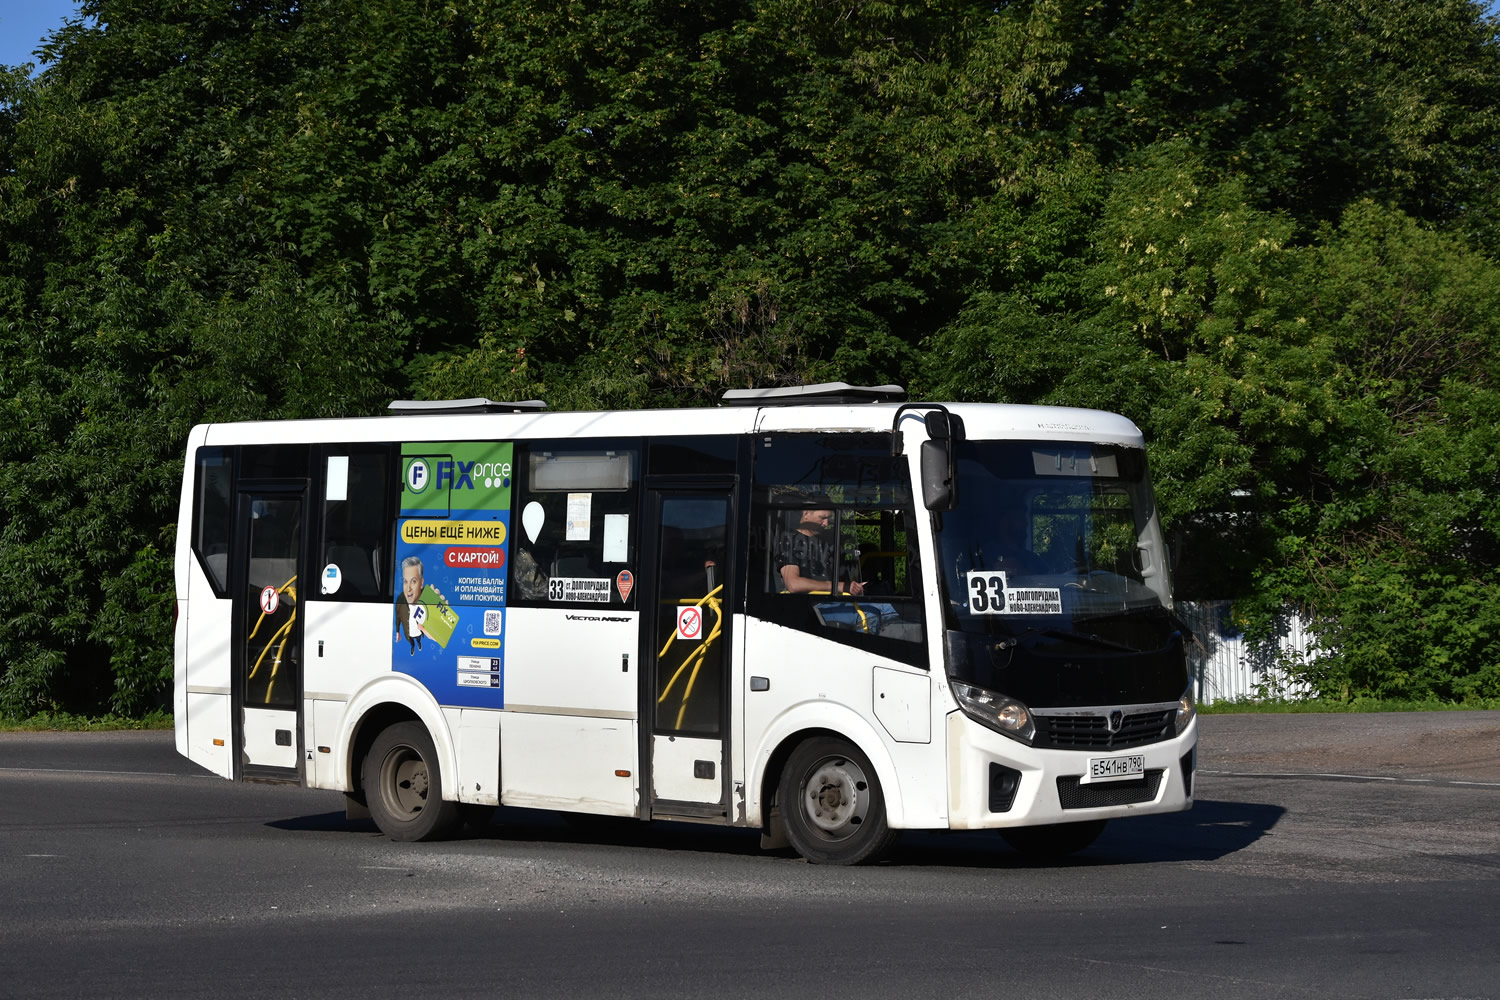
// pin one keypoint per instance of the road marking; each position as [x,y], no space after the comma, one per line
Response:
[1350,777]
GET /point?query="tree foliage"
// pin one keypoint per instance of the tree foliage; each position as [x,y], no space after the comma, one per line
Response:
[1265,232]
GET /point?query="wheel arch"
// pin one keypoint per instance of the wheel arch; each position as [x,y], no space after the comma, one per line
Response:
[383,703]
[807,722]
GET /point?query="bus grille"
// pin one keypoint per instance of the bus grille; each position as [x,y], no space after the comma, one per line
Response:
[1073,794]
[1091,732]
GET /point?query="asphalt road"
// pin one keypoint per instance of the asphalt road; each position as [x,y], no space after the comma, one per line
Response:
[1328,856]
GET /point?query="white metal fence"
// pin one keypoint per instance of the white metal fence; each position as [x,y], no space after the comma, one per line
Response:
[1225,667]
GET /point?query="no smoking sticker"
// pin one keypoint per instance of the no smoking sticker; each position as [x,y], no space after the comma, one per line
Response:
[690,623]
[269,601]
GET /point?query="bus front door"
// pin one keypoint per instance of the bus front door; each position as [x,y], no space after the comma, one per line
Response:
[687,650]
[267,631]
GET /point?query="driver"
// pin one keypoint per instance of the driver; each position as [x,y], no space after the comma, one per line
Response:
[805,557]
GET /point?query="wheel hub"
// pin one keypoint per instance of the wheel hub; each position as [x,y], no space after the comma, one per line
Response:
[409,784]
[837,797]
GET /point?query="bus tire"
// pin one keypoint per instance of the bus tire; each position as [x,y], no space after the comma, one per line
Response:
[1051,841]
[831,804]
[403,785]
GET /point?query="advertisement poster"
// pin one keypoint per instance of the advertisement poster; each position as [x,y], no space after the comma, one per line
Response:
[452,546]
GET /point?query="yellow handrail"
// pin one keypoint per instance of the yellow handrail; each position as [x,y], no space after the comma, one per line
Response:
[284,633]
[697,657]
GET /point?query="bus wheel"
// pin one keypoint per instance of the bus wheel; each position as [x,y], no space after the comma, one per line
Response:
[831,804]
[1053,840]
[404,787]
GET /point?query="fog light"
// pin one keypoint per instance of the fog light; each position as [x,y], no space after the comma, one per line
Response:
[1004,783]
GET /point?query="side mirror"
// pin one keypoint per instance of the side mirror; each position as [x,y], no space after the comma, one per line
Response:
[939,488]
[939,465]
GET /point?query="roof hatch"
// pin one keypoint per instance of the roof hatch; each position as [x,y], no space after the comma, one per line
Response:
[823,392]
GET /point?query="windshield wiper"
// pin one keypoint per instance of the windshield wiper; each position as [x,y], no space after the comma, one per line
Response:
[1097,640]
[1151,610]
[1155,611]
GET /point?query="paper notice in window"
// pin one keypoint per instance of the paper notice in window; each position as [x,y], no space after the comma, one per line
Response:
[337,480]
[616,533]
[580,506]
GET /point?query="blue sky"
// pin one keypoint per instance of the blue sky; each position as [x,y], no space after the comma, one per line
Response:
[24,22]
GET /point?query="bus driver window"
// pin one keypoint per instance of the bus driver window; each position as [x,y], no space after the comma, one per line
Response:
[830,546]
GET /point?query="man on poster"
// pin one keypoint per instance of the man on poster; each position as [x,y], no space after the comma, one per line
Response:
[409,612]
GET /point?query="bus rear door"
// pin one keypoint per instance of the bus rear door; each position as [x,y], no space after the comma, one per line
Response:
[266,643]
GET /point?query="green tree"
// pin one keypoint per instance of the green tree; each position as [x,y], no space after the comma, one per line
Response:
[1388,535]
[1265,232]
[143,292]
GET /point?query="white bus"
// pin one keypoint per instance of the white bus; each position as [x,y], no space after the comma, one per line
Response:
[819,612]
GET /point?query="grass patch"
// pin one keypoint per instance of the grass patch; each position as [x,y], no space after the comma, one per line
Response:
[70,723]
[1272,705]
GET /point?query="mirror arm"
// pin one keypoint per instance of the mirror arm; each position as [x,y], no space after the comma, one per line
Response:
[896,423]
[943,429]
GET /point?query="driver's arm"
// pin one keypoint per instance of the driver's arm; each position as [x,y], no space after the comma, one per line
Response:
[799,584]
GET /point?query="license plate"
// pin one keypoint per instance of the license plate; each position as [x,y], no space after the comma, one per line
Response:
[1115,768]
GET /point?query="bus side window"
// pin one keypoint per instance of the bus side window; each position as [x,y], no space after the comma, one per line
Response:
[211,515]
[879,552]
[356,526]
[574,525]
[835,510]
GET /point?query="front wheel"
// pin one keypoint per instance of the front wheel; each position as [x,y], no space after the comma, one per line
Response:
[1051,841]
[831,804]
[404,786]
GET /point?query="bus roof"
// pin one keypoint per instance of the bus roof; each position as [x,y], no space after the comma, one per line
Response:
[982,421]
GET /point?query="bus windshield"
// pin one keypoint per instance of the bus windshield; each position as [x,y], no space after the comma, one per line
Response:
[1053,558]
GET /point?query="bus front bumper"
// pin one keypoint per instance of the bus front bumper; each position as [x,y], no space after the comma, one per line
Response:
[997,782]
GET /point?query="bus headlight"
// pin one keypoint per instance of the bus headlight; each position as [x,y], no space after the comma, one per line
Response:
[1186,709]
[997,711]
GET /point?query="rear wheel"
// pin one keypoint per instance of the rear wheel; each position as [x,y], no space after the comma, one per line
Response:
[831,805]
[1053,840]
[403,785]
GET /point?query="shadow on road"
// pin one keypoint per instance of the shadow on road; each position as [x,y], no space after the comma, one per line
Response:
[1210,830]
[327,822]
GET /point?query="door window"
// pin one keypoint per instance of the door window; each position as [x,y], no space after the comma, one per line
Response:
[272,642]
[691,616]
